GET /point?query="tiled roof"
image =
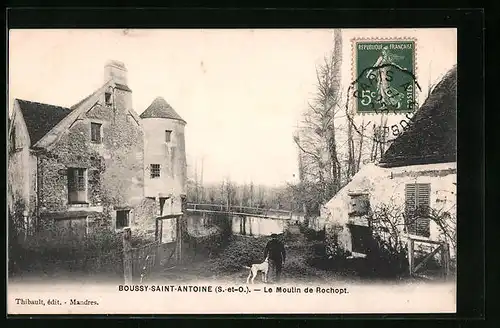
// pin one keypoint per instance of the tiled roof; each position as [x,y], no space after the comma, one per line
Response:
[159,108]
[81,101]
[432,136]
[41,118]
[122,87]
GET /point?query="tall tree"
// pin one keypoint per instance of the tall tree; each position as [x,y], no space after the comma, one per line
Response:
[316,139]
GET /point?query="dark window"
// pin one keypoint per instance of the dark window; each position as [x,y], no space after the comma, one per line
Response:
[417,219]
[95,132]
[360,238]
[77,185]
[360,205]
[13,139]
[155,171]
[107,98]
[122,219]
[168,135]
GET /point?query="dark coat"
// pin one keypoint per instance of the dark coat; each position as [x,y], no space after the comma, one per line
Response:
[276,251]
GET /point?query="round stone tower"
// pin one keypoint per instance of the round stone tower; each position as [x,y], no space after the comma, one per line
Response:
[165,167]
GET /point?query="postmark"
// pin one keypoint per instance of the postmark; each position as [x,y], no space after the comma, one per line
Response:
[384,72]
[384,83]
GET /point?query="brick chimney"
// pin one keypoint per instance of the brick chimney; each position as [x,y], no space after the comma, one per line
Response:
[122,94]
[115,70]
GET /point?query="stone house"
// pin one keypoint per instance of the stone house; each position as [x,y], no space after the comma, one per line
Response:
[96,164]
[418,171]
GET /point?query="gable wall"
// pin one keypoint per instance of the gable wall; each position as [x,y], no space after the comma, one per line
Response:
[114,168]
[18,171]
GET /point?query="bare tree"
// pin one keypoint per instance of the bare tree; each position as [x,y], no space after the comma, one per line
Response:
[389,220]
[196,186]
[222,191]
[251,194]
[316,140]
[360,148]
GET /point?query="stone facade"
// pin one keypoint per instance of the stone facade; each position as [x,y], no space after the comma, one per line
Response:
[386,186]
[170,155]
[90,166]
[21,176]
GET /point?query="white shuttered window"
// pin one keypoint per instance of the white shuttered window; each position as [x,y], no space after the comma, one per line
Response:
[417,219]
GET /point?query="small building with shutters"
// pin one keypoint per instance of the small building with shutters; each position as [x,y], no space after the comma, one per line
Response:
[416,179]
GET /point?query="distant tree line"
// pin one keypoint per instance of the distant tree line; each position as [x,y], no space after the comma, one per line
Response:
[248,194]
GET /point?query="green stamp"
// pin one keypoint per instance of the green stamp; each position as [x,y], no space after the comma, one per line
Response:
[385,76]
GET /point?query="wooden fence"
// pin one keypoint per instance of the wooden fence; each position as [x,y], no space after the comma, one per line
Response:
[138,262]
[441,247]
[144,260]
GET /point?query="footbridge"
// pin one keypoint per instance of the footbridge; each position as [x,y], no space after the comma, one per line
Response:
[236,210]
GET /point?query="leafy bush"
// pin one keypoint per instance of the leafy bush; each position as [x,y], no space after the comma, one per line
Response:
[385,261]
[299,267]
[333,260]
[55,249]
[216,235]
[241,251]
[15,230]
[312,234]
[208,245]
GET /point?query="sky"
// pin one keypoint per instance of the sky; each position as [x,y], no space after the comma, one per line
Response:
[241,92]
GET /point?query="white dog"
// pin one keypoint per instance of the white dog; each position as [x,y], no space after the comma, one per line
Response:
[255,268]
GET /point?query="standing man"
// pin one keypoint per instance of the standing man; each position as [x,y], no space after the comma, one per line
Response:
[275,249]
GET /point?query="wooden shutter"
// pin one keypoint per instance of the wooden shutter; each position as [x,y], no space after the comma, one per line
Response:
[417,208]
[71,180]
[423,204]
[410,205]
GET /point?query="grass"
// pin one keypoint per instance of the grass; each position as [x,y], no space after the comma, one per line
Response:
[243,251]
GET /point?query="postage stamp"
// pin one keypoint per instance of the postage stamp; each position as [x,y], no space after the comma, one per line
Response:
[384,71]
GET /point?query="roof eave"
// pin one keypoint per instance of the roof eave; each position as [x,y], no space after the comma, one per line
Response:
[17,111]
[46,142]
[164,118]
[408,161]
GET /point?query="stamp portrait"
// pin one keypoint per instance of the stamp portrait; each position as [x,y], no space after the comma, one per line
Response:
[384,70]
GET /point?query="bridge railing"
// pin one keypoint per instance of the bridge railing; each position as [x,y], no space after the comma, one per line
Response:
[238,209]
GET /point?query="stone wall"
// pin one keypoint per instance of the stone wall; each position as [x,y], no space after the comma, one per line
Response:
[386,186]
[170,155]
[20,172]
[114,167]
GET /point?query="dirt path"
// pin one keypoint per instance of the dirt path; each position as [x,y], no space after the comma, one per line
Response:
[296,269]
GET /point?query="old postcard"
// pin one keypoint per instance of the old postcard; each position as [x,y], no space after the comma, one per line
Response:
[232,171]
